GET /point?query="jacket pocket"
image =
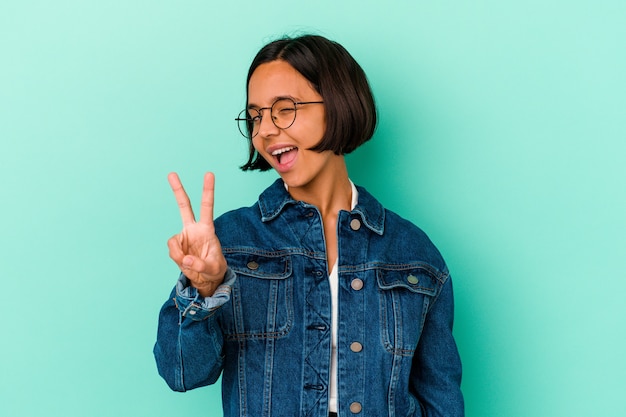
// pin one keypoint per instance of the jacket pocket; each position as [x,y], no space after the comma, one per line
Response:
[261,304]
[404,296]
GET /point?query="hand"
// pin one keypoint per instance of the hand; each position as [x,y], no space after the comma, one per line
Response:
[196,249]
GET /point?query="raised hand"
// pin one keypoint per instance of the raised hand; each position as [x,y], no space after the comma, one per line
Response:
[196,249]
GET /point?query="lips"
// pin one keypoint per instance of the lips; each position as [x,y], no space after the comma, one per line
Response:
[285,157]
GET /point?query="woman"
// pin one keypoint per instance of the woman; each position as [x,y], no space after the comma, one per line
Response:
[315,300]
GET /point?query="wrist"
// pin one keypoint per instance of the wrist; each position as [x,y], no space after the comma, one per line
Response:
[207,289]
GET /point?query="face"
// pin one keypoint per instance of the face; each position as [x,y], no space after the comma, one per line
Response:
[287,150]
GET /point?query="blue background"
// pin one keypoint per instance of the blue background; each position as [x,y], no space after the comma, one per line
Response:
[502,131]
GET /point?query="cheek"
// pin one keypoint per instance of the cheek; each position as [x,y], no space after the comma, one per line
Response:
[311,130]
[256,142]
[320,126]
[321,121]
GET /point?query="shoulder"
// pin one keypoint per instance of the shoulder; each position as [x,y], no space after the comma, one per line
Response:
[405,240]
[413,238]
[243,218]
[396,226]
[236,225]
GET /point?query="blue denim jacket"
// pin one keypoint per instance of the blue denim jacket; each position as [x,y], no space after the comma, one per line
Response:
[267,330]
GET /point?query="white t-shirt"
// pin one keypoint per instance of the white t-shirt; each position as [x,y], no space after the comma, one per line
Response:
[334,294]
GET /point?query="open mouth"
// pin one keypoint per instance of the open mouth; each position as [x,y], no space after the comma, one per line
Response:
[285,155]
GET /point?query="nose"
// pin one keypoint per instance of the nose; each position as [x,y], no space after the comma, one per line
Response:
[267,126]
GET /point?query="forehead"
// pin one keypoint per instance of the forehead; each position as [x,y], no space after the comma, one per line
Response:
[276,79]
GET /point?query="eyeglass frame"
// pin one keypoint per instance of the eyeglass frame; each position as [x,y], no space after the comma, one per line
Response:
[248,119]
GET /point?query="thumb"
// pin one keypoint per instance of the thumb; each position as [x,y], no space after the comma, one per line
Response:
[193,263]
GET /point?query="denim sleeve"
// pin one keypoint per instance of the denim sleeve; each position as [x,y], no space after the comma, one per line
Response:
[436,371]
[188,350]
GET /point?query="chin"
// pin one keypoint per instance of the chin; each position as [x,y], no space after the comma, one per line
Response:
[292,181]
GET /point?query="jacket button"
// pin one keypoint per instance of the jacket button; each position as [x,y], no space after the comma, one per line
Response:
[357,284]
[253,265]
[413,279]
[355,224]
[356,347]
[355,407]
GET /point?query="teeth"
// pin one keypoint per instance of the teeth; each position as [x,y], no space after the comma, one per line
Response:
[282,150]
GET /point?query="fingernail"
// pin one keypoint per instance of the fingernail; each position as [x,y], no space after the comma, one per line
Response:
[187,261]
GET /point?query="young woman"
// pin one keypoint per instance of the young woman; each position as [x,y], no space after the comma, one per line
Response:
[315,300]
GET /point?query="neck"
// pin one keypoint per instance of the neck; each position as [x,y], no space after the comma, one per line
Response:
[330,193]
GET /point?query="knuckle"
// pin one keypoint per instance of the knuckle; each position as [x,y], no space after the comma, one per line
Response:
[173,242]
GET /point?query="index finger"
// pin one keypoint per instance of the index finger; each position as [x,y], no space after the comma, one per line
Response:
[208,199]
[186,212]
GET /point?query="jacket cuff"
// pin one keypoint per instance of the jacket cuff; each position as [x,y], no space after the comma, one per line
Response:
[192,305]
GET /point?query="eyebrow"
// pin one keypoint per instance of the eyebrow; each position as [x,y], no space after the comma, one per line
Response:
[274,100]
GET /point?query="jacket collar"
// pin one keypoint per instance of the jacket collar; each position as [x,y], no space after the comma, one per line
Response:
[275,198]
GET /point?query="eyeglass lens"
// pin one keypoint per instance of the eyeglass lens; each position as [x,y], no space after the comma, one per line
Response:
[282,113]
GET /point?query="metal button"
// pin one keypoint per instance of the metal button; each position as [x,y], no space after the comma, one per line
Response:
[356,347]
[357,284]
[192,312]
[355,224]
[356,407]
[253,265]
[413,279]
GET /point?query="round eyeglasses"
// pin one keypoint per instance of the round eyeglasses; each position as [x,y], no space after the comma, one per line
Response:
[282,113]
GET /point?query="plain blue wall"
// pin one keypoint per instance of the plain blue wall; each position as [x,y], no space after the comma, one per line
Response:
[502,131]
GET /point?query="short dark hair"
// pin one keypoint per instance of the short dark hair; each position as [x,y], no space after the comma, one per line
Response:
[338,78]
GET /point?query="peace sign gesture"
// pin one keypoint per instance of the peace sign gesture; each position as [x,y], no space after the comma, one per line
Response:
[196,249]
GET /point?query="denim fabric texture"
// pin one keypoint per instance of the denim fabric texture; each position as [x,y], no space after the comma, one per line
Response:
[267,330]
